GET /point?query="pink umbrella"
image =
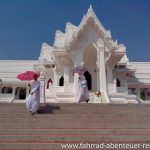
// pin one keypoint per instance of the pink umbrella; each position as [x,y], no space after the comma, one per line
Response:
[79,69]
[28,75]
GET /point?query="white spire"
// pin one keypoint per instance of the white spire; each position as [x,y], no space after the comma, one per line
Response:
[91,7]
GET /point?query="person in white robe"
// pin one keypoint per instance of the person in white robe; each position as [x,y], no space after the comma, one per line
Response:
[33,100]
[76,87]
[83,94]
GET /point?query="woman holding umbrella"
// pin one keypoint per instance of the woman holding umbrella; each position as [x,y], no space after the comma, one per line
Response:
[81,88]
[33,101]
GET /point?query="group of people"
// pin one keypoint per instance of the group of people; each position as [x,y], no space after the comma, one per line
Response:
[33,100]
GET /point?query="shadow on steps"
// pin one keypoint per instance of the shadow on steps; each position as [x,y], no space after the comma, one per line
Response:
[48,109]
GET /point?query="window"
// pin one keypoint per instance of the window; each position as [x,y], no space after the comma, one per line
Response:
[7,90]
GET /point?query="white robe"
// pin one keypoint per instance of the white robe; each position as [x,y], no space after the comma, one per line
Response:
[82,91]
[33,101]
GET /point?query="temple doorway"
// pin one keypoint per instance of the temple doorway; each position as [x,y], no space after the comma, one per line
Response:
[89,80]
[89,59]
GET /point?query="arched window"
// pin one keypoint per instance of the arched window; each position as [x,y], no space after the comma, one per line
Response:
[49,82]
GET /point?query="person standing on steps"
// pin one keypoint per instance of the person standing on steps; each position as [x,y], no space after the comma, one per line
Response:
[33,100]
[83,94]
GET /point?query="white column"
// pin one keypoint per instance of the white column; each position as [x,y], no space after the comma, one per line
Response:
[115,86]
[138,91]
[98,69]
[55,78]
[102,71]
[97,76]
[125,84]
[75,84]
[42,80]
[66,77]
[13,92]
[101,63]
[109,75]
[27,90]
[66,74]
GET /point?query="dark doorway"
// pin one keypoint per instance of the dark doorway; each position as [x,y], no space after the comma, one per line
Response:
[89,80]
[49,82]
[118,83]
[22,94]
[61,81]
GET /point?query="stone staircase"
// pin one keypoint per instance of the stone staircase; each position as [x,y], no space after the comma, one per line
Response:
[123,98]
[60,123]
[69,97]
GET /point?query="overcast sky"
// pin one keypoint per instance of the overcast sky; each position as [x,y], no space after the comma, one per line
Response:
[26,24]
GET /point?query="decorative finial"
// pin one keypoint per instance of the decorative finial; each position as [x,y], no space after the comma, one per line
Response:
[90,10]
[91,7]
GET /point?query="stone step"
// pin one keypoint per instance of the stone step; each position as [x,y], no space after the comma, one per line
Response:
[73,118]
[39,138]
[60,145]
[87,131]
[86,117]
[67,105]
[72,123]
[30,146]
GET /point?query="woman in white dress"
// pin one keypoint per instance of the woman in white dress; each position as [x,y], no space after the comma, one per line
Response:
[33,100]
[83,94]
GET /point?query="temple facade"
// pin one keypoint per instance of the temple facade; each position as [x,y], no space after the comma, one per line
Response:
[111,77]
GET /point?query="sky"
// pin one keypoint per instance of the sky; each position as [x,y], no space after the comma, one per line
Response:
[26,24]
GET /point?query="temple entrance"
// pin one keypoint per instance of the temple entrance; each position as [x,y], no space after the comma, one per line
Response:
[61,81]
[89,80]
[89,59]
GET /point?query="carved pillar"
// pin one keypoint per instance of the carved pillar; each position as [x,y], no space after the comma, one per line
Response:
[97,73]
[102,70]
[66,77]
[55,83]
[42,80]
[109,75]
[110,79]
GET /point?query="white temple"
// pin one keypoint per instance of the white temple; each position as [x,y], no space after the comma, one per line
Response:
[91,45]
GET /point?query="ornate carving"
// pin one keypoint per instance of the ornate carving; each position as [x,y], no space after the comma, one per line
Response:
[42,74]
[45,46]
[100,43]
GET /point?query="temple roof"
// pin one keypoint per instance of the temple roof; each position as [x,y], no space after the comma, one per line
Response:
[64,40]
[124,60]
